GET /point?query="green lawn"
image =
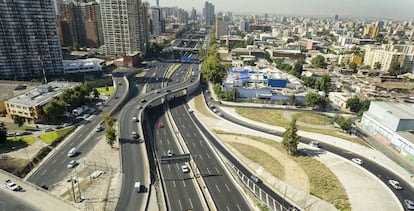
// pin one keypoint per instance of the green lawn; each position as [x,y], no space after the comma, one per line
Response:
[311,118]
[52,136]
[27,139]
[102,90]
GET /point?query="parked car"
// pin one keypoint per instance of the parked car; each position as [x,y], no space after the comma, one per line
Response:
[395,184]
[48,129]
[96,174]
[139,107]
[255,179]
[134,119]
[72,164]
[12,186]
[357,161]
[409,204]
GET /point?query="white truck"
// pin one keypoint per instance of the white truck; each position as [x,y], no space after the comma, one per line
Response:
[79,110]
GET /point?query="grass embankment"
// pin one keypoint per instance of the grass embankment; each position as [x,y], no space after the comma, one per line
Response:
[50,137]
[274,117]
[103,90]
[323,183]
[201,106]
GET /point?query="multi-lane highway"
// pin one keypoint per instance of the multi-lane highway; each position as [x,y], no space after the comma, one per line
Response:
[55,168]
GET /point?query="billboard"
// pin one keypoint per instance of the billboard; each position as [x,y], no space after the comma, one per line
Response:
[238,74]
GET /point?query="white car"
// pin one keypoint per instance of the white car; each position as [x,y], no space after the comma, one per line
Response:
[170,153]
[409,204]
[357,161]
[72,164]
[96,174]
[12,186]
[314,144]
[135,135]
[134,119]
[395,184]
[139,107]
[185,168]
[190,110]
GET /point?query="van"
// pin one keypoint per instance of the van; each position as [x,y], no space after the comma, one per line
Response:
[137,187]
[72,152]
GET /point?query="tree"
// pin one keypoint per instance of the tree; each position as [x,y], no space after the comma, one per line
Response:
[353,66]
[109,121]
[290,139]
[344,123]
[18,120]
[54,109]
[377,66]
[309,81]
[353,104]
[250,41]
[312,99]
[3,133]
[325,83]
[318,62]
[95,93]
[395,68]
[364,107]
[110,136]
[297,69]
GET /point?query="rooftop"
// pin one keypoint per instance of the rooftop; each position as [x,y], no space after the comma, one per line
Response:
[400,110]
[42,94]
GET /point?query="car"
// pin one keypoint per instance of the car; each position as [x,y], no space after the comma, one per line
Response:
[134,119]
[139,107]
[168,91]
[170,153]
[395,184]
[87,115]
[409,204]
[157,91]
[116,97]
[190,110]
[25,133]
[99,129]
[135,135]
[59,127]
[255,179]
[314,144]
[160,125]
[72,164]
[357,161]
[96,174]
[48,129]
[11,185]
[143,100]
[120,83]
[185,168]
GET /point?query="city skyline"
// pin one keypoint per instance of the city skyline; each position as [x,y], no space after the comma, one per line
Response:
[398,9]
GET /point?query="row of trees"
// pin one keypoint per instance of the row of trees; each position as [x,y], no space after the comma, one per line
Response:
[110,132]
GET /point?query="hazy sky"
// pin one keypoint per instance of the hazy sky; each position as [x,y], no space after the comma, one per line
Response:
[344,8]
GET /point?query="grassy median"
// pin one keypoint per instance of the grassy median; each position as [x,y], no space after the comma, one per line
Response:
[106,90]
[50,137]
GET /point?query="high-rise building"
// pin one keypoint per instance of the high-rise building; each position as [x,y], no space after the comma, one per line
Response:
[371,31]
[208,13]
[123,26]
[29,40]
[93,25]
[193,15]
[244,25]
[220,27]
[155,21]
[182,16]
[386,54]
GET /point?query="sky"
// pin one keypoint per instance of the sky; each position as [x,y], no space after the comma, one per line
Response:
[395,9]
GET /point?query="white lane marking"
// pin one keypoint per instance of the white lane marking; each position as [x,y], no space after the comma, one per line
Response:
[44,172]
[184,183]
[194,134]
[217,170]
[3,202]
[174,184]
[228,189]
[193,144]
[188,135]
[168,141]
[54,170]
[208,170]
[63,152]
[218,189]
[54,161]
[169,167]
[191,203]
[200,156]
[189,127]
[208,156]
[179,119]
[183,126]
[228,208]
[165,132]
[181,206]
[238,207]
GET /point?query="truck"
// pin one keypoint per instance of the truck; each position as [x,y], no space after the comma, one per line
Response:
[79,110]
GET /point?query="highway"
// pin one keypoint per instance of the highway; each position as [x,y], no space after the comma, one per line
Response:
[10,202]
[224,192]
[383,173]
[54,169]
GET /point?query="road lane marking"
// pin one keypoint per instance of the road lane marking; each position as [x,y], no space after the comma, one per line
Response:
[189,127]
[228,208]
[208,156]
[63,152]
[44,172]
[168,140]
[217,170]
[169,167]
[194,134]
[3,202]
[54,170]
[188,135]
[228,189]
[191,203]
[238,207]
[54,161]
[193,144]
[184,183]
[183,126]
[218,189]
[201,157]
[174,184]
[181,206]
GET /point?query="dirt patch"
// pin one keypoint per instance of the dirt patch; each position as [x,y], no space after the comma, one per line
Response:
[13,165]
[201,106]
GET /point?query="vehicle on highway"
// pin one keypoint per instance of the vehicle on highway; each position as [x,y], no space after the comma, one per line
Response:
[135,135]
[96,174]
[134,119]
[137,187]
[170,153]
[48,129]
[357,161]
[116,97]
[72,164]
[160,125]
[168,91]
[190,110]
[99,129]
[395,184]
[12,186]
[185,168]
[157,91]
[72,152]
[139,107]
[314,144]
[143,100]
[409,204]
[255,179]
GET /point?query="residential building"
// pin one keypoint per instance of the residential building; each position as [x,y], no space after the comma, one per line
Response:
[182,16]
[208,14]
[392,124]
[155,21]
[29,105]
[221,28]
[124,26]
[93,25]
[371,31]
[386,54]
[29,40]
[244,25]
[72,23]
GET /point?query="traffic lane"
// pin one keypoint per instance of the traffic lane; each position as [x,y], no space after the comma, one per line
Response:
[217,180]
[10,202]
[181,190]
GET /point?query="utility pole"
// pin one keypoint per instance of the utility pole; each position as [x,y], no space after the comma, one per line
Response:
[73,189]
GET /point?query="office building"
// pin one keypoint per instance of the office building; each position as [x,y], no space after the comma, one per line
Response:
[208,14]
[182,16]
[29,40]
[193,16]
[123,26]
[221,28]
[155,21]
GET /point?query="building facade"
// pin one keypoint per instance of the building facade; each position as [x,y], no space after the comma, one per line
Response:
[208,14]
[124,26]
[155,21]
[221,28]
[29,41]
[386,54]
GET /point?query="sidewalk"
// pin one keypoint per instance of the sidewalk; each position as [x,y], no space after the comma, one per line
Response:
[36,197]
[357,182]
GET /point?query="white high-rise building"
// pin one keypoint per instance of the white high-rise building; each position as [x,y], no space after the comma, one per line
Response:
[124,26]
[386,54]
